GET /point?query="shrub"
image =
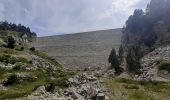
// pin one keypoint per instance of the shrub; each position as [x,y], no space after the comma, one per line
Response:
[164,65]
[128,81]
[118,70]
[62,82]
[23,60]
[17,67]
[10,42]
[50,87]
[21,49]
[7,59]
[121,53]
[133,57]
[131,86]
[11,80]
[113,59]
[32,49]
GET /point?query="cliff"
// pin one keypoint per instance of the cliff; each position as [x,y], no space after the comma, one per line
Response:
[144,33]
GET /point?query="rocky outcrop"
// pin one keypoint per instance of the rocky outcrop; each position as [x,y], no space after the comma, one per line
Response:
[84,86]
[144,32]
[149,64]
[39,63]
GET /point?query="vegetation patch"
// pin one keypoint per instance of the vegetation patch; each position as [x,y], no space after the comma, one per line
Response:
[45,56]
[165,65]
[131,86]
[8,59]
[126,89]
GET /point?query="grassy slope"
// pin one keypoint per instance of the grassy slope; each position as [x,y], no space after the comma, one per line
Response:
[27,87]
[124,89]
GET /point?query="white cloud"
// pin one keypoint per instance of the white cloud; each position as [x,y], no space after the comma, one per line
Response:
[48,17]
[125,7]
[1,11]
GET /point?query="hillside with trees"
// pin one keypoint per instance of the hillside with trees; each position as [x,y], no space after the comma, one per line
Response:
[145,31]
[20,29]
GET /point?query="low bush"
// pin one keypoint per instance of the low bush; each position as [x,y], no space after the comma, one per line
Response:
[10,42]
[128,81]
[32,49]
[17,67]
[50,87]
[164,65]
[131,87]
[7,59]
[118,70]
[11,80]
[62,82]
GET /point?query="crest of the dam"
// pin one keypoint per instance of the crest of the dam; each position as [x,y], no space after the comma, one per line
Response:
[81,50]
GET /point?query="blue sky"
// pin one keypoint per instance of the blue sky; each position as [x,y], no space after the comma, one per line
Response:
[53,17]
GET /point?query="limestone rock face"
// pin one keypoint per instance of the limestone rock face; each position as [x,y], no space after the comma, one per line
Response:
[147,30]
[150,64]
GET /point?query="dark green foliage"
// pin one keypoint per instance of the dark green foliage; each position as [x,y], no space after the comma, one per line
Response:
[165,65]
[17,28]
[135,22]
[50,87]
[10,42]
[20,48]
[17,67]
[118,70]
[139,28]
[131,86]
[61,82]
[8,59]
[133,57]
[121,53]
[113,58]
[32,49]
[11,80]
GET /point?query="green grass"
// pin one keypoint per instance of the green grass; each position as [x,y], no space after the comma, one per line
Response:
[9,51]
[27,87]
[126,89]
[8,59]
[24,88]
[19,58]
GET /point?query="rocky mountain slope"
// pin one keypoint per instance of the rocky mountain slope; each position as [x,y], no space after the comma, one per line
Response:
[81,50]
[155,65]
[145,33]
[29,74]
[23,69]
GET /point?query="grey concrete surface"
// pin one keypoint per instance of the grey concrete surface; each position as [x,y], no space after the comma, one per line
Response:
[81,50]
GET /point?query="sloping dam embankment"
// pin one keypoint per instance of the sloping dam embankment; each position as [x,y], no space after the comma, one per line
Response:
[81,50]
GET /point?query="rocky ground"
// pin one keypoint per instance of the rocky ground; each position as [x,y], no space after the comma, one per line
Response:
[84,86]
[150,64]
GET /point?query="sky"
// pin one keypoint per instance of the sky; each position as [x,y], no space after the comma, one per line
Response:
[54,17]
